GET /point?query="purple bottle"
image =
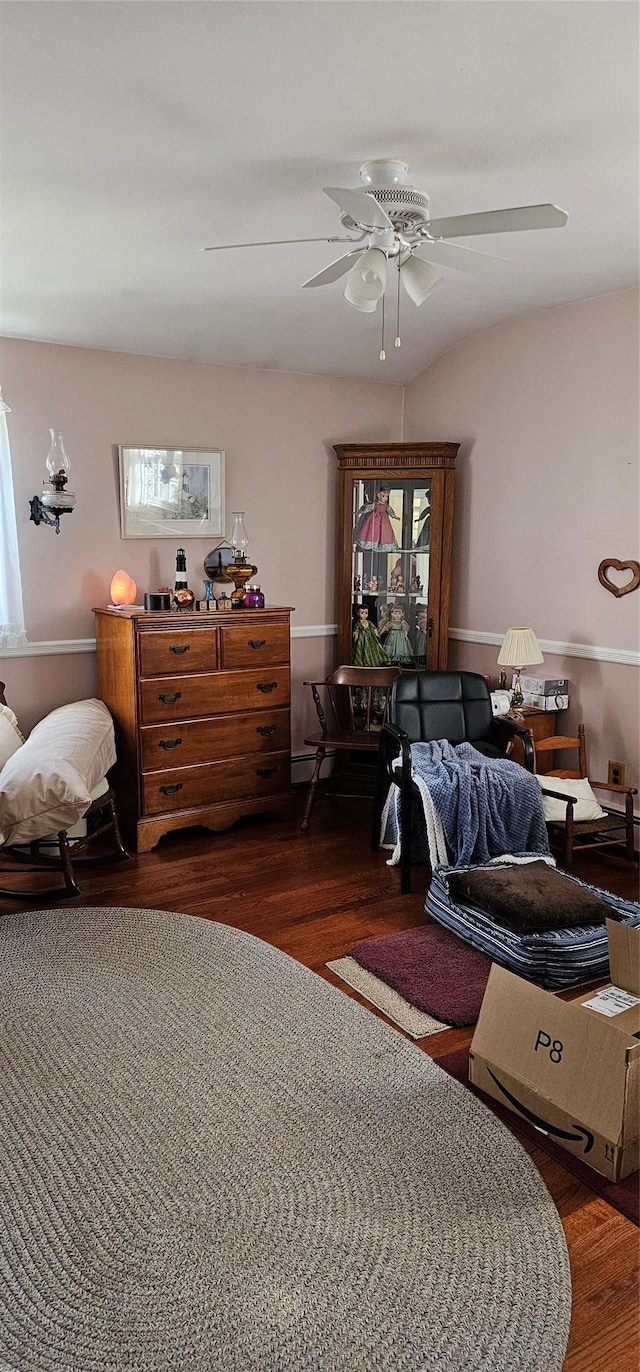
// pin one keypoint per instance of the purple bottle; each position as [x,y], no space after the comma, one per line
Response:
[253,598]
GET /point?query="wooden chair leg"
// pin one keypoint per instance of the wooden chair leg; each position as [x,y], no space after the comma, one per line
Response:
[313,786]
[405,840]
[629,823]
[380,796]
[70,883]
[117,836]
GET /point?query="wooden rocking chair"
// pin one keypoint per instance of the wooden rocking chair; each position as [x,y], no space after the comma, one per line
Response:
[573,834]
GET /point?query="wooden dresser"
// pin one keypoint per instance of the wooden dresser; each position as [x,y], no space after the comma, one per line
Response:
[201,704]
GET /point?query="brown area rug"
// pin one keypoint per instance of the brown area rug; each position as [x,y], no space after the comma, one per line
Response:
[622,1195]
[431,969]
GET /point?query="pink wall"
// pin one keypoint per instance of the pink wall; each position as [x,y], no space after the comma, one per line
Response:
[277,430]
[546,409]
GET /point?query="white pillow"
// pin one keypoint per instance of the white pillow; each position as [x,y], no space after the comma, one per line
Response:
[10,737]
[46,785]
[555,811]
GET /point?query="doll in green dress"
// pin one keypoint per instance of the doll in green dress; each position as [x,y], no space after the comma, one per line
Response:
[367,648]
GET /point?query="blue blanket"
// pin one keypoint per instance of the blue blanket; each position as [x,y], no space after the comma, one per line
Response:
[485,806]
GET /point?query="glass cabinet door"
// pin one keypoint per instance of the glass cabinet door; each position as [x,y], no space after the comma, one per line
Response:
[390,550]
[395,522]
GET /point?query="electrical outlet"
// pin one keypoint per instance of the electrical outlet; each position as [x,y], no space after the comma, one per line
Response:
[616,773]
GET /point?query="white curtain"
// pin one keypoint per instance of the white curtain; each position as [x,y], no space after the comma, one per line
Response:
[12,631]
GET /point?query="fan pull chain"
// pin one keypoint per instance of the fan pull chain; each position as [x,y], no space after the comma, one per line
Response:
[382,351]
[398,340]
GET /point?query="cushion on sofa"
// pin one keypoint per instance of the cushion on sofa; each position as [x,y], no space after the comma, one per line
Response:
[555,811]
[529,896]
[46,785]
[10,737]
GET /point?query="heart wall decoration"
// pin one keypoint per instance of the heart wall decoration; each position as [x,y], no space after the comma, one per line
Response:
[613,564]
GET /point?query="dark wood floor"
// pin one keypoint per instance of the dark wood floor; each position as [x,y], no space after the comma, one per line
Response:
[314,896]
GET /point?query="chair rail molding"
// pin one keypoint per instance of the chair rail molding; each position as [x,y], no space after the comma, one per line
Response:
[625,657]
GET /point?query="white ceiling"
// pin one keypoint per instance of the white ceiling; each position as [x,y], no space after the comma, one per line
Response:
[134,134]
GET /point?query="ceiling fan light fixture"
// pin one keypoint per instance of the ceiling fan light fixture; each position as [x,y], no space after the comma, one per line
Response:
[419,278]
[367,281]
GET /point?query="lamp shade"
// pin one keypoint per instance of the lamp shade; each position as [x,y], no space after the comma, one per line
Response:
[520,649]
[123,589]
[418,278]
[366,281]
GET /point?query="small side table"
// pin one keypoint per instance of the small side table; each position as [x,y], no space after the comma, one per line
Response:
[541,724]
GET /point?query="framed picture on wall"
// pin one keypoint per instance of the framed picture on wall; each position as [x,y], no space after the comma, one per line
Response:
[171,492]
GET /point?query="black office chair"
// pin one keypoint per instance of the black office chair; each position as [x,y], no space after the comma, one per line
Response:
[423,707]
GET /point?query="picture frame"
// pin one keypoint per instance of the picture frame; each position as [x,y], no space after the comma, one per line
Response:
[172,493]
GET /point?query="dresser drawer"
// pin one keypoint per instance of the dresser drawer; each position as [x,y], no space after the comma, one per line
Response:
[211,693]
[187,787]
[206,740]
[251,645]
[181,650]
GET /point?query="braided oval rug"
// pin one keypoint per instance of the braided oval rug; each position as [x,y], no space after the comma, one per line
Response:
[211,1159]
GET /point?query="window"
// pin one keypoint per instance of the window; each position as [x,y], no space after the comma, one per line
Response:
[12,631]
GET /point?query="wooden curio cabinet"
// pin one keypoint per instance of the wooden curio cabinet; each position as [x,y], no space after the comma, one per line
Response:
[395,522]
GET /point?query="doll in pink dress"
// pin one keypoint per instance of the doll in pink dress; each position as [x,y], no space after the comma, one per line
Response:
[373,524]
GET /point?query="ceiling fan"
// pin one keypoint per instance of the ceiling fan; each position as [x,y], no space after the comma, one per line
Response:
[390,222]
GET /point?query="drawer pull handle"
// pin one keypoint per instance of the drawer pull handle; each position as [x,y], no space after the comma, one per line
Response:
[171,790]
[265,729]
[266,771]
[257,642]
[180,649]
[266,687]
[170,697]
[168,743]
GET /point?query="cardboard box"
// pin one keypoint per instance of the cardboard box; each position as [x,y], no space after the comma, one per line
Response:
[544,685]
[546,702]
[572,1068]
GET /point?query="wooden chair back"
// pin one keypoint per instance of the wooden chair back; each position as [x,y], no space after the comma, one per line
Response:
[559,743]
[352,705]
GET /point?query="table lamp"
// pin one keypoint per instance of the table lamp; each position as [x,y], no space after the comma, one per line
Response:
[519,649]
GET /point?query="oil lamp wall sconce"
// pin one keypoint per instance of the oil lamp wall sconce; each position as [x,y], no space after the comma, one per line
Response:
[54,500]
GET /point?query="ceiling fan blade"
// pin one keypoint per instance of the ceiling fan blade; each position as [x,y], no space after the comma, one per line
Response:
[478,264]
[335,269]
[499,221]
[274,243]
[360,207]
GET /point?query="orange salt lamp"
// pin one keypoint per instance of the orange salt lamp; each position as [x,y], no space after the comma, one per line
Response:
[123,589]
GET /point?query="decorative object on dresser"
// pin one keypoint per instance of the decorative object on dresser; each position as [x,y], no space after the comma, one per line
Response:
[171,492]
[520,649]
[613,564]
[183,598]
[395,524]
[240,569]
[123,590]
[201,705]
